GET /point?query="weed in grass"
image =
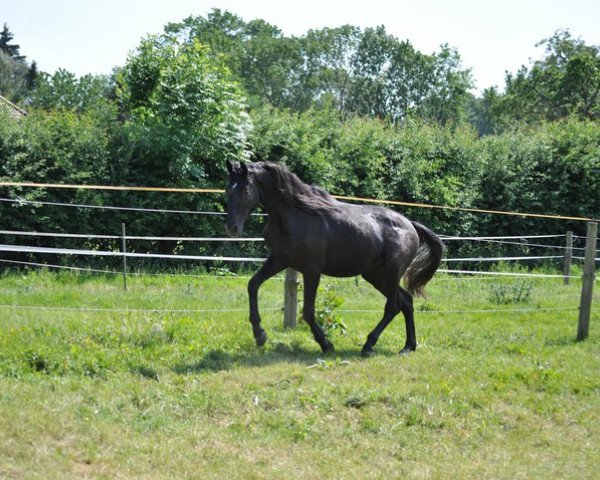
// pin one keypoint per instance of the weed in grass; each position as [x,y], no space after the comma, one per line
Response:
[328,301]
[37,362]
[221,271]
[355,401]
[502,294]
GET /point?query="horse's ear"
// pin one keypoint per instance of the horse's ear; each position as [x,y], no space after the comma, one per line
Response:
[244,169]
[229,166]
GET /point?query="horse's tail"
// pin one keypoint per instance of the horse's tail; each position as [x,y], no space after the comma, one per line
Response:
[426,262]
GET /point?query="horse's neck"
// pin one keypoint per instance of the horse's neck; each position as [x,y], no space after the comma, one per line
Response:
[273,203]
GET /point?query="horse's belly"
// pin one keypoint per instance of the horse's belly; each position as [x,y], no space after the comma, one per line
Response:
[352,258]
[343,270]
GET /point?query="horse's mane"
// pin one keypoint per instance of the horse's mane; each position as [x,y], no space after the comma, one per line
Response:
[294,191]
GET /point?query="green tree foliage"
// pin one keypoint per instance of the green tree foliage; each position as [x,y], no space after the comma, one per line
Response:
[185,113]
[64,91]
[392,80]
[177,116]
[488,113]
[257,53]
[327,77]
[366,72]
[371,158]
[553,169]
[184,117]
[59,147]
[564,83]
[32,76]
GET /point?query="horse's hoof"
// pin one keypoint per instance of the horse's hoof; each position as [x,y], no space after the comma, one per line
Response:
[367,352]
[407,349]
[261,338]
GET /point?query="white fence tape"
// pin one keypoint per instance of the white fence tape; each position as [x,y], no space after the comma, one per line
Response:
[58,235]
[132,273]
[499,259]
[127,310]
[510,237]
[130,237]
[70,251]
[109,207]
[63,267]
[104,253]
[227,239]
[505,274]
[115,272]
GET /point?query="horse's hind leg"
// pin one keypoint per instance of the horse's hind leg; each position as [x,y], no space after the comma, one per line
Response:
[388,285]
[408,312]
[271,267]
[392,309]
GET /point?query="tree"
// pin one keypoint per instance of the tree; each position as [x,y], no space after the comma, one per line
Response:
[222,32]
[185,112]
[326,74]
[446,86]
[63,90]
[32,76]
[393,80]
[489,113]
[12,50]
[269,64]
[17,79]
[565,82]
[256,52]
[13,78]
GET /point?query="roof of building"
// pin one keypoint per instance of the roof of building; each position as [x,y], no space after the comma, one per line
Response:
[13,110]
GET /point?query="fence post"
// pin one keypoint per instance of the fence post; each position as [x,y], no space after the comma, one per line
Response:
[585,305]
[124,250]
[290,302]
[568,258]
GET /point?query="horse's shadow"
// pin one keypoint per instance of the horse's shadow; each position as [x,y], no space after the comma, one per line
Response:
[217,360]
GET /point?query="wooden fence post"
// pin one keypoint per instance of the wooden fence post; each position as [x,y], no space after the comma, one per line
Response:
[585,305]
[124,251]
[568,258]
[290,304]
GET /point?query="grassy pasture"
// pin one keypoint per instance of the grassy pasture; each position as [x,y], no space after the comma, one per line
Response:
[164,393]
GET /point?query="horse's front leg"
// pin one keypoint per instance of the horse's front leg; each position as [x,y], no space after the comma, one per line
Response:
[271,267]
[311,284]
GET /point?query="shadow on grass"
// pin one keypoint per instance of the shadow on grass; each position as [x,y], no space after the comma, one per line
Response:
[279,353]
[563,341]
[146,372]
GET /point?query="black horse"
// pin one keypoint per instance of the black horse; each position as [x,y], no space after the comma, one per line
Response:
[311,232]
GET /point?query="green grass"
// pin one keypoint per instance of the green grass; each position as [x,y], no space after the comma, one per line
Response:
[161,393]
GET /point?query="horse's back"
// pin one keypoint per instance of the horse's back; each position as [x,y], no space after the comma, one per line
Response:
[361,238]
[399,234]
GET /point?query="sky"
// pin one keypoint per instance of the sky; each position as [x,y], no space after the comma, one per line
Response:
[492,37]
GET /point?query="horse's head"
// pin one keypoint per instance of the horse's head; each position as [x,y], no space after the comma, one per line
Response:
[242,197]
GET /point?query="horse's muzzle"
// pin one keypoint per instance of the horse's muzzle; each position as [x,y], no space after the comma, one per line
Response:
[233,230]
